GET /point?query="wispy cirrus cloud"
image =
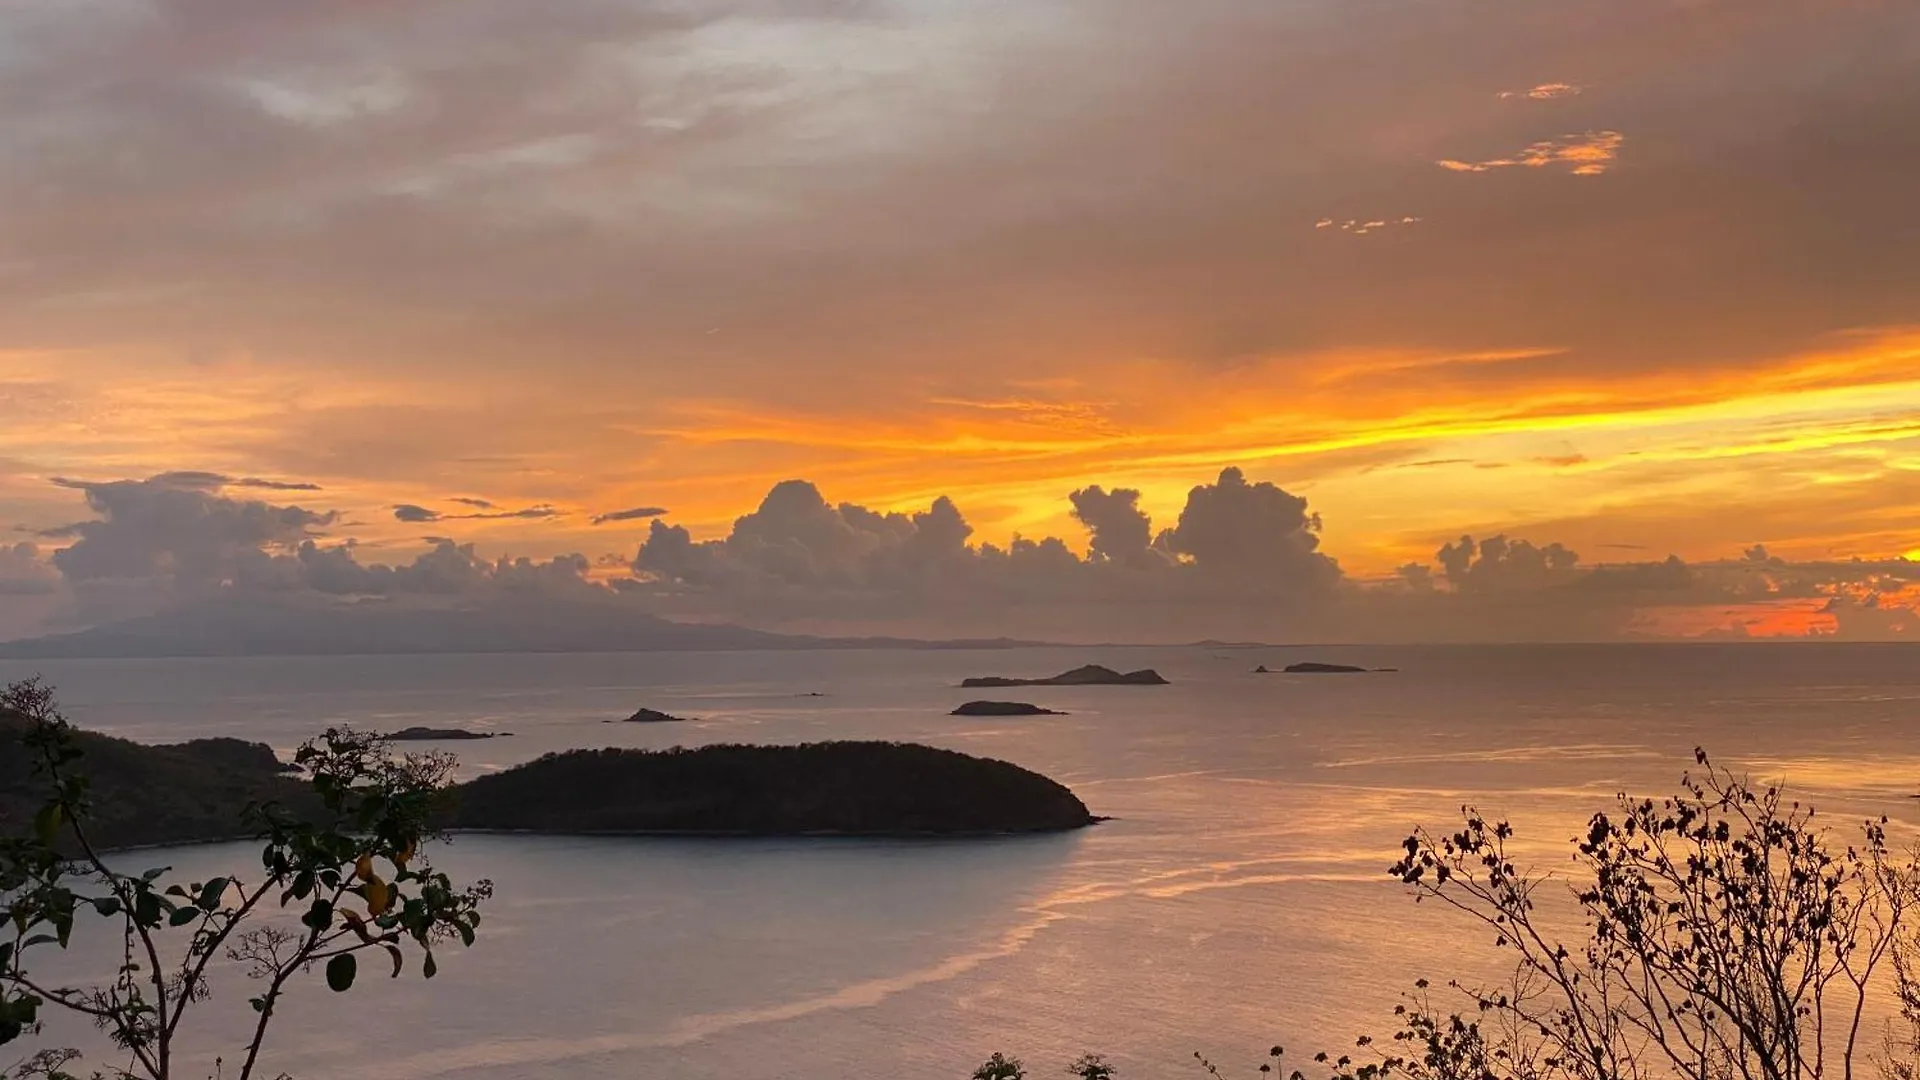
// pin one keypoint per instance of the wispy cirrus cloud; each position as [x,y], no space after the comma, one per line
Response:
[1588,154]
[637,513]
[1361,227]
[1544,92]
[415,514]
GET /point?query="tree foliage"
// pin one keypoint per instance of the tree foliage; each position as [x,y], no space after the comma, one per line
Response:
[350,865]
[1723,933]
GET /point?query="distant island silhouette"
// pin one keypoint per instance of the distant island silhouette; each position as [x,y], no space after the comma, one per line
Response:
[1088,675]
[198,791]
[654,716]
[433,734]
[252,626]
[1311,667]
[838,788]
[1003,708]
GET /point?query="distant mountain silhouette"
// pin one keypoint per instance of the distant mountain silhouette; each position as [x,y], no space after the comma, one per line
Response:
[254,628]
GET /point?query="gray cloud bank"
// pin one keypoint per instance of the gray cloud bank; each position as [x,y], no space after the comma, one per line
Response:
[373,178]
[1242,560]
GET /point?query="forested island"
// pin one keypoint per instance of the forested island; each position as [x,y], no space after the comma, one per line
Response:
[199,791]
[847,788]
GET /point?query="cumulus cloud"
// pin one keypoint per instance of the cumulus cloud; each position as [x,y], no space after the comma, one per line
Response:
[1241,559]
[1500,563]
[798,556]
[1120,531]
[1257,530]
[24,573]
[180,528]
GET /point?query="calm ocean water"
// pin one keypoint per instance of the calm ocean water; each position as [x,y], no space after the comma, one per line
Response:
[1238,899]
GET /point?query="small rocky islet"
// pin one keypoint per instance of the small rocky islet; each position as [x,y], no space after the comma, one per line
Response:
[652,716]
[1087,675]
[433,734]
[1003,708]
[1313,667]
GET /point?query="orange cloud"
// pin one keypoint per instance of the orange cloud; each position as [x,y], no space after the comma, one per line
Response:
[1361,228]
[1544,92]
[1589,154]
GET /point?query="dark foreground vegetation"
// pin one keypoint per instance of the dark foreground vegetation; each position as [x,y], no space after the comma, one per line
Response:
[345,866]
[851,788]
[150,794]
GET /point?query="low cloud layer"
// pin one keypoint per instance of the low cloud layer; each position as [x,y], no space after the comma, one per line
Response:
[1242,560]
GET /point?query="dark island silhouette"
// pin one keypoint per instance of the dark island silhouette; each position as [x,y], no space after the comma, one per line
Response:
[433,734]
[1089,675]
[199,791]
[654,716]
[837,788]
[1003,708]
[1311,667]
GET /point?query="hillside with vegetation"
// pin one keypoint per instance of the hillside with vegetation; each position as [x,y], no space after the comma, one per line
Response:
[144,794]
[200,791]
[851,788]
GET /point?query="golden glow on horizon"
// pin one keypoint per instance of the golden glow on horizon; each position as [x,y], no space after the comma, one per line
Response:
[1397,450]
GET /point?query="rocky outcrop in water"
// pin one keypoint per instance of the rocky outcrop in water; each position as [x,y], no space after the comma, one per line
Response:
[1090,675]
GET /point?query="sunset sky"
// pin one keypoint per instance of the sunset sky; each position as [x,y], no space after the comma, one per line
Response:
[1636,277]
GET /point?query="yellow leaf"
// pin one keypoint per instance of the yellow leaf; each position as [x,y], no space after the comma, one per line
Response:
[379,897]
[363,868]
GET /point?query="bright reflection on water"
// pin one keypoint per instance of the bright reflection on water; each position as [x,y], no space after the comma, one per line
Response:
[1237,901]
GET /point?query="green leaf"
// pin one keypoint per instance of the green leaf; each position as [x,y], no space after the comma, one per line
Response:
[108,906]
[39,939]
[211,893]
[46,823]
[431,967]
[340,972]
[399,959]
[184,916]
[320,915]
[146,910]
